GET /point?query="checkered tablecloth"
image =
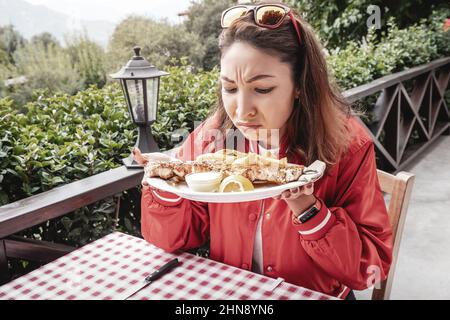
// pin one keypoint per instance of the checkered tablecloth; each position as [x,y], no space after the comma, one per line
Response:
[114,267]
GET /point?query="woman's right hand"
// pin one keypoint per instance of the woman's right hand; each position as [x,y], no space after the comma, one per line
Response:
[144,158]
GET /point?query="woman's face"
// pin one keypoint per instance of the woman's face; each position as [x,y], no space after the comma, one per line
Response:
[257,92]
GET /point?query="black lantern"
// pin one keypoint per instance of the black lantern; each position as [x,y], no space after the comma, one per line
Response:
[140,85]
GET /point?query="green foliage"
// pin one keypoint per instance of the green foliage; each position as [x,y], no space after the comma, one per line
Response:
[89,59]
[204,20]
[46,65]
[57,139]
[441,36]
[47,68]
[159,42]
[338,22]
[4,58]
[46,39]
[185,97]
[360,63]
[7,71]
[10,41]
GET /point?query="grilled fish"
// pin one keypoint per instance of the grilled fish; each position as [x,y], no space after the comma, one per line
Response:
[259,171]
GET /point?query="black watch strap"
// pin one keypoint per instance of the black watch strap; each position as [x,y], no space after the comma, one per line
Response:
[308,214]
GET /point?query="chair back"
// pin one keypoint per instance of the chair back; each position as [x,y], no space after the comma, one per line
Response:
[399,187]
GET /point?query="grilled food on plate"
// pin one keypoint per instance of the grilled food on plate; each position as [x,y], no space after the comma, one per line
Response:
[214,168]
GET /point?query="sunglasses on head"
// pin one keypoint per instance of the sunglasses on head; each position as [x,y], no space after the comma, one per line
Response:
[269,16]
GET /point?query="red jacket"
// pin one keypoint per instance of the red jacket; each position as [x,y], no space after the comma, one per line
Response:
[346,246]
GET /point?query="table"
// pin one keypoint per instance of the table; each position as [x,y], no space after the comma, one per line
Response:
[114,268]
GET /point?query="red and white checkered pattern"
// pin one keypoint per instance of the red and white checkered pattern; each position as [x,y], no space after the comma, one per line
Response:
[114,267]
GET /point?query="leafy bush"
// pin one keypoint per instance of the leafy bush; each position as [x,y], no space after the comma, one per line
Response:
[57,139]
[185,97]
[442,33]
[398,49]
[338,22]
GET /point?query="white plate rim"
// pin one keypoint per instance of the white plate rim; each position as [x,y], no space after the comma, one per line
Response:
[311,174]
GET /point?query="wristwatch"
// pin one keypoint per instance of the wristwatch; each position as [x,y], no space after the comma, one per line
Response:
[308,214]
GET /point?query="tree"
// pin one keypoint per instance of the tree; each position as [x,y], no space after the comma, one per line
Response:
[4,57]
[338,22]
[46,39]
[7,71]
[159,41]
[10,41]
[45,68]
[204,20]
[3,91]
[88,58]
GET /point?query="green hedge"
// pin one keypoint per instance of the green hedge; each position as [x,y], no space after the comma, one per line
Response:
[185,98]
[58,139]
[399,49]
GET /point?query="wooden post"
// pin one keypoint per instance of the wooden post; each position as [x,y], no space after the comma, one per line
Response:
[4,270]
[400,188]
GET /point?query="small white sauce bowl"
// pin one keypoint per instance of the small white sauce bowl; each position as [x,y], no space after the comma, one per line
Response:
[204,181]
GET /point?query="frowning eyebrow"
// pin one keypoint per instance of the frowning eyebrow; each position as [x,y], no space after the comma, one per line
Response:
[258,77]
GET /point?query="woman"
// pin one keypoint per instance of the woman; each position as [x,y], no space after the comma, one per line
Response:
[275,90]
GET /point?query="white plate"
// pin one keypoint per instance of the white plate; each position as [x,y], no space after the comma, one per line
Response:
[311,174]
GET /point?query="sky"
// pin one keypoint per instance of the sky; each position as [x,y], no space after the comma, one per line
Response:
[115,10]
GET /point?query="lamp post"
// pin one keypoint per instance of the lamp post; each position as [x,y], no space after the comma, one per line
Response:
[140,85]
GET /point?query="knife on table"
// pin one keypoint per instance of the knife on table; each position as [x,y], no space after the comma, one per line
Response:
[158,274]
[162,271]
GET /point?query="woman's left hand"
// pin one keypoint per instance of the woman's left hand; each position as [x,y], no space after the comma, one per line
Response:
[299,199]
[296,193]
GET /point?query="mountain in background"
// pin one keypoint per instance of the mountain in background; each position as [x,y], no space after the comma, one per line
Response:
[30,20]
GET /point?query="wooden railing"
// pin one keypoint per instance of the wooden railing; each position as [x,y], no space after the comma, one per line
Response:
[52,204]
[402,109]
[410,112]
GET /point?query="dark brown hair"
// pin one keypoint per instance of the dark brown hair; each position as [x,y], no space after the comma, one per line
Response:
[317,127]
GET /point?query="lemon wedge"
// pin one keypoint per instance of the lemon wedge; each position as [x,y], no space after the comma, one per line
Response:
[236,183]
